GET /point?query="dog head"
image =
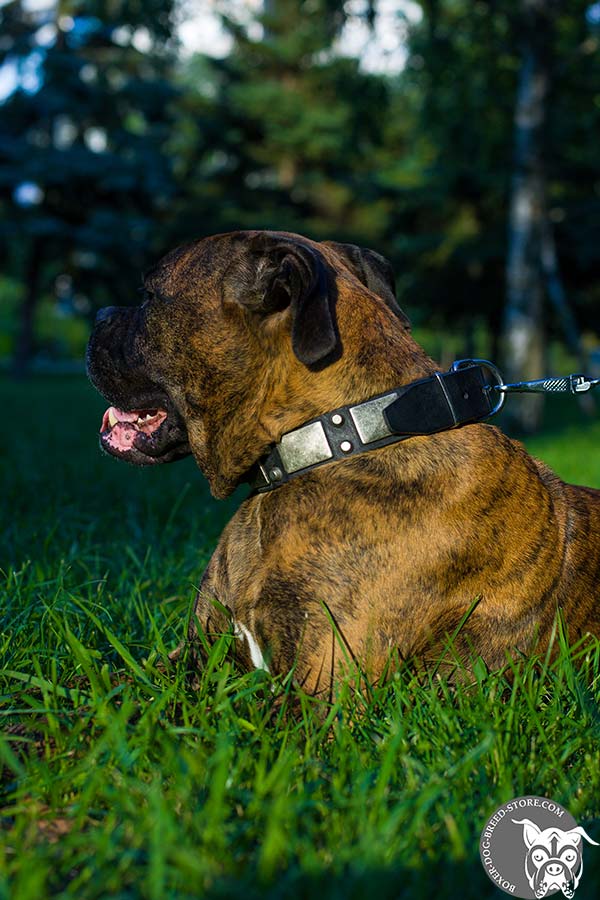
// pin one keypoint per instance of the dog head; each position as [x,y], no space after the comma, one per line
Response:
[240,338]
[554,858]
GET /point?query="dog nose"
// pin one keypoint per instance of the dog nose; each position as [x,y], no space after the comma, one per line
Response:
[554,869]
[105,314]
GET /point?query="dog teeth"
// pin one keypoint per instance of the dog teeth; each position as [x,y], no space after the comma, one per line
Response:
[142,418]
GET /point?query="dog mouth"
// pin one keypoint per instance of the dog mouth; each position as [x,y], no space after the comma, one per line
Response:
[144,435]
[119,428]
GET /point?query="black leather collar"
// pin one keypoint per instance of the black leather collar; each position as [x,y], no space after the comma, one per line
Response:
[440,402]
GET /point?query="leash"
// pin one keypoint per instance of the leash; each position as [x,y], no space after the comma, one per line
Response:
[470,391]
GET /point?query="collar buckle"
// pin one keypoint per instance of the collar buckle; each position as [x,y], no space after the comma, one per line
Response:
[497,379]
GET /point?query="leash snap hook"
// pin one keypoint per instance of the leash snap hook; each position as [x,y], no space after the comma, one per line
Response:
[496,384]
[581,383]
[566,384]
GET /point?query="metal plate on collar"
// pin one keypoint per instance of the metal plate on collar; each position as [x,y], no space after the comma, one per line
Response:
[368,418]
[304,447]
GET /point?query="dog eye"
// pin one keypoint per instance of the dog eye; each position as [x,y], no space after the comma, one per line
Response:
[151,295]
[147,297]
[538,856]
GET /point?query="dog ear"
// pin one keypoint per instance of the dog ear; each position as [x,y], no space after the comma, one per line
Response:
[374,271]
[577,833]
[530,831]
[292,274]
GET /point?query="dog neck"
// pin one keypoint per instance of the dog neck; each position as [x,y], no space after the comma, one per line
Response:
[440,402]
[287,394]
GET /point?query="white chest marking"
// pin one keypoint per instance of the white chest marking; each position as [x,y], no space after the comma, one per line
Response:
[258,660]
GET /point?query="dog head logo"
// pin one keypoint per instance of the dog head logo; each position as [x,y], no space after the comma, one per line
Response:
[554,859]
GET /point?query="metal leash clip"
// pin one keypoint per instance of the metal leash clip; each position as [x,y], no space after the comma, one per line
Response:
[569,384]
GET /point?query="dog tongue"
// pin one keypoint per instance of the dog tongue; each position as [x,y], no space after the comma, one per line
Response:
[113,415]
[120,427]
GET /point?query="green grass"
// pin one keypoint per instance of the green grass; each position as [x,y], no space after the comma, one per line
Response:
[570,442]
[122,780]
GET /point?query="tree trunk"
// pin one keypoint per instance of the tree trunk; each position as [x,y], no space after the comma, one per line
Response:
[558,299]
[532,266]
[25,339]
[523,320]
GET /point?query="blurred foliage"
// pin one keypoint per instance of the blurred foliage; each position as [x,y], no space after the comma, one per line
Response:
[293,129]
[83,171]
[463,68]
[10,297]
[134,148]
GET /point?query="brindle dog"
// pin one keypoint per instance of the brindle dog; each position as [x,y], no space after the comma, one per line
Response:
[245,336]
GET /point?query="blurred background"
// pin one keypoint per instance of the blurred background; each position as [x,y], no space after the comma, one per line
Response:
[460,138]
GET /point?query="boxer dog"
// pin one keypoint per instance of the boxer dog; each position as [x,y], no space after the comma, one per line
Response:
[554,859]
[243,346]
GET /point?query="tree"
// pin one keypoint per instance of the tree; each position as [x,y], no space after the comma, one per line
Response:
[285,130]
[467,62]
[532,265]
[524,332]
[83,177]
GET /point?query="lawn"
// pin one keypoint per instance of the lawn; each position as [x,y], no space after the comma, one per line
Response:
[120,779]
